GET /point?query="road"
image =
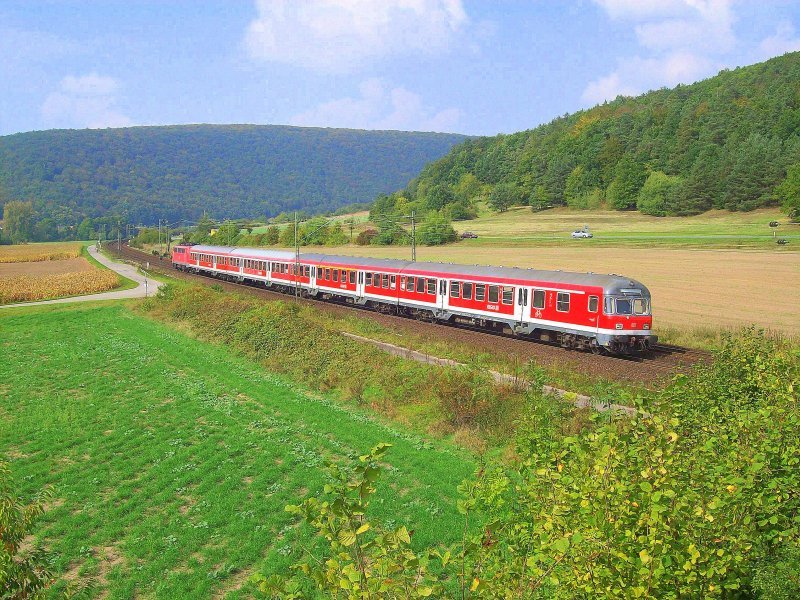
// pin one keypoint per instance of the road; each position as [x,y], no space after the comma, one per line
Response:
[145,287]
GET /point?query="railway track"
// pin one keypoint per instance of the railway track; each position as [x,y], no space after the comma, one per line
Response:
[651,369]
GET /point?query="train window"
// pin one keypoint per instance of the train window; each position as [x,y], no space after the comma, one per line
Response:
[336,274]
[640,306]
[369,278]
[431,286]
[410,284]
[393,281]
[385,279]
[352,276]
[562,302]
[508,295]
[480,292]
[455,289]
[519,297]
[328,274]
[494,294]
[466,291]
[624,306]
[593,302]
[403,283]
[538,298]
[344,276]
[420,285]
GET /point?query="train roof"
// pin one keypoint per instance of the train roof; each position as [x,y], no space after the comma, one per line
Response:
[611,284]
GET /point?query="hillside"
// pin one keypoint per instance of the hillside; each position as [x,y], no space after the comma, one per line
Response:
[726,142]
[231,171]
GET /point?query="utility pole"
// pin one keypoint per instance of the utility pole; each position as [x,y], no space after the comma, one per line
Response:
[119,235]
[413,238]
[296,261]
[351,229]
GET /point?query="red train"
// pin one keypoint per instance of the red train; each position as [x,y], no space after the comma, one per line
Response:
[578,310]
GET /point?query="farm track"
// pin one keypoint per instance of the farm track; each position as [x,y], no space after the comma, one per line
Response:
[653,370]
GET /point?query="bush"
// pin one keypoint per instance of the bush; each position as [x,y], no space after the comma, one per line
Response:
[690,502]
[365,238]
[436,230]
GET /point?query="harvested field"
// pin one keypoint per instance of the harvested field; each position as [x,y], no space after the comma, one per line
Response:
[39,252]
[691,288]
[45,267]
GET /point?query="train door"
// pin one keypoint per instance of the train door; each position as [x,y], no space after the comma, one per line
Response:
[523,298]
[441,297]
[360,285]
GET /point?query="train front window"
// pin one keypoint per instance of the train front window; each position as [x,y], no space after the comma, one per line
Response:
[631,306]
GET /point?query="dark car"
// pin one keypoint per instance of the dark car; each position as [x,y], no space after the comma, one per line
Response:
[468,235]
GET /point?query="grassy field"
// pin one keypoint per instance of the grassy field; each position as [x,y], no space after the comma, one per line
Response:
[172,459]
[716,228]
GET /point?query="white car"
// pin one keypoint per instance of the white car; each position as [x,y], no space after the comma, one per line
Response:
[582,233]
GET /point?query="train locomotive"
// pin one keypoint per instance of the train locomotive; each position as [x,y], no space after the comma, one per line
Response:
[583,311]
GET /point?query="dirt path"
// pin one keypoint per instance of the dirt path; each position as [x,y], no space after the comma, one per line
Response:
[146,287]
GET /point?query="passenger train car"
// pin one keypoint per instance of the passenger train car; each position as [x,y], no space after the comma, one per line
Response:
[577,310]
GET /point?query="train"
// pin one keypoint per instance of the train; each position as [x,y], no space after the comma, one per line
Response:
[583,311]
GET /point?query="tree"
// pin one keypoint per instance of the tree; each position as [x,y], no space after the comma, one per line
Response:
[754,173]
[46,230]
[436,230]
[503,196]
[18,221]
[624,189]
[273,235]
[788,192]
[656,194]
[582,188]
[227,234]
[439,196]
[468,187]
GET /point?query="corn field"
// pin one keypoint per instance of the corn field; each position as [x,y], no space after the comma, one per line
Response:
[27,288]
[39,252]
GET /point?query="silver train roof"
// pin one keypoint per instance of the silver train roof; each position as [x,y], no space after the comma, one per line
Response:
[611,284]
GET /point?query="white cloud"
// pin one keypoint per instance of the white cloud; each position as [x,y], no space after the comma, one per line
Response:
[84,101]
[339,35]
[635,75]
[784,40]
[379,107]
[682,40]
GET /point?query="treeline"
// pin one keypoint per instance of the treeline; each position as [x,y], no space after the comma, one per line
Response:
[22,224]
[729,142]
[143,174]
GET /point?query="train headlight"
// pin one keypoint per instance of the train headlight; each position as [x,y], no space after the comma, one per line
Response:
[646,326]
[619,325]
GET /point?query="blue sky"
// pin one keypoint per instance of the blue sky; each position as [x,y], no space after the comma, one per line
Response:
[476,67]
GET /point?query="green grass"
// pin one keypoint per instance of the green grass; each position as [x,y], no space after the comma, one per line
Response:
[172,459]
[714,229]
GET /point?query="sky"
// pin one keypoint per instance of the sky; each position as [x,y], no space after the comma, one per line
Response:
[477,67]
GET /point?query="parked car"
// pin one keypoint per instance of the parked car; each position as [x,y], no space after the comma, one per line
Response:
[582,233]
[468,235]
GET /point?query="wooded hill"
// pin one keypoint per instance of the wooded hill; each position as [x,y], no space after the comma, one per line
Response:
[231,171]
[725,142]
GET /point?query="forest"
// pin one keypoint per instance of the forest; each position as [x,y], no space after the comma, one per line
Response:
[143,174]
[729,142]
